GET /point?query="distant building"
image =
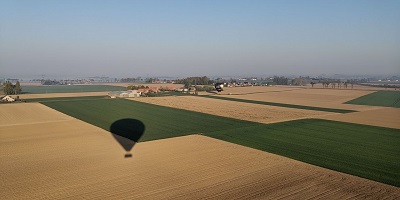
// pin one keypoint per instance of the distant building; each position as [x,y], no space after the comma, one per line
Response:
[125,94]
[7,98]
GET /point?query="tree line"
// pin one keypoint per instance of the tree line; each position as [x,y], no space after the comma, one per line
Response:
[194,81]
[9,88]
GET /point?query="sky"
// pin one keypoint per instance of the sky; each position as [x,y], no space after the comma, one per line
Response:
[117,38]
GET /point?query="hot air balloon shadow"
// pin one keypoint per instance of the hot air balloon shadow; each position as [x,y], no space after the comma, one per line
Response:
[127,132]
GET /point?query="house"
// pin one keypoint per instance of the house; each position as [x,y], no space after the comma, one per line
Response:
[7,98]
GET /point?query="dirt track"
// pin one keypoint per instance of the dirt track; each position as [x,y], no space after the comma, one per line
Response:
[231,109]
[67,158]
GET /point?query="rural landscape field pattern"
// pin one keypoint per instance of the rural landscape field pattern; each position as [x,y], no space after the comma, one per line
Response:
[366,151]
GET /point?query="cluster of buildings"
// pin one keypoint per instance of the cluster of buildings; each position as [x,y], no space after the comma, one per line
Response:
[6,99]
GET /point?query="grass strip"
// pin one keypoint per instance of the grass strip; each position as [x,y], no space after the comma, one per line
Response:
[280,104]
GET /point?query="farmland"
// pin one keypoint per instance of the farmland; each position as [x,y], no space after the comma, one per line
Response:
[66,98]
[334,145]
[366,151]
[233,109]
[157,119]
[69,89]
[379,98]
[196,147]
[281,104]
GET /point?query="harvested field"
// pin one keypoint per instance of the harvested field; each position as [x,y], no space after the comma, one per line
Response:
[237,110]
[73,159]
[333,110]
[384,117]
[28,113]
[326,98]
[58,95]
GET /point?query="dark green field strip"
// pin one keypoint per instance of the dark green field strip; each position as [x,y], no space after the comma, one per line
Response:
[365,151]
[160,122]
[66,99]
[69,89]
[280,104]
[379,98]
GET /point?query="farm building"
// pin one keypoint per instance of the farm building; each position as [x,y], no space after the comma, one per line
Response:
[125,94]
[7,98]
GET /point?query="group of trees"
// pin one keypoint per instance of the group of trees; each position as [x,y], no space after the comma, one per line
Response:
[136,87]
[9,88]
[195,81]
[336,83]
[280,80]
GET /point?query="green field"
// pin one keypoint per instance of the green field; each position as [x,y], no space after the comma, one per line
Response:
[365,151]
[69,89]
[380,98]
[280,104]
[66,99]
[160,122]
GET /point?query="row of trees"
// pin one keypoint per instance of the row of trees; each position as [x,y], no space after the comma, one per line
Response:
[9,88]
[337,83]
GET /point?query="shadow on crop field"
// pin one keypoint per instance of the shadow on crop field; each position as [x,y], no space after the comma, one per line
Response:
[127,132]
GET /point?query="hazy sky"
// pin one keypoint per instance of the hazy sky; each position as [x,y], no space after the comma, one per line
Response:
[192,38]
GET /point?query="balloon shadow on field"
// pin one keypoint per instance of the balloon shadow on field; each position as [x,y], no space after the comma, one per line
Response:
[127,132]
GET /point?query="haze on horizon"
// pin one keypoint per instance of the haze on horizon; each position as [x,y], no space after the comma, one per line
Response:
[192,38]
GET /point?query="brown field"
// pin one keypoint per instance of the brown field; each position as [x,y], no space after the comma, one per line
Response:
[55,95]
[385,117]
[57,156]
[328,98]
[28,113]
[231,109]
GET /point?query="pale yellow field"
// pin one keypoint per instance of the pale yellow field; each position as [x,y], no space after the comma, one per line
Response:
[384,117]
[58,156]
[327,98]
[232,109]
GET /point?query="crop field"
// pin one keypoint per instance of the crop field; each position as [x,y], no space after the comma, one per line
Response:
[280,104]
[160,122]
[69,89]
[233,109]
[365,151]
[66,98]
[383,117]
[311,97]
[379,98]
